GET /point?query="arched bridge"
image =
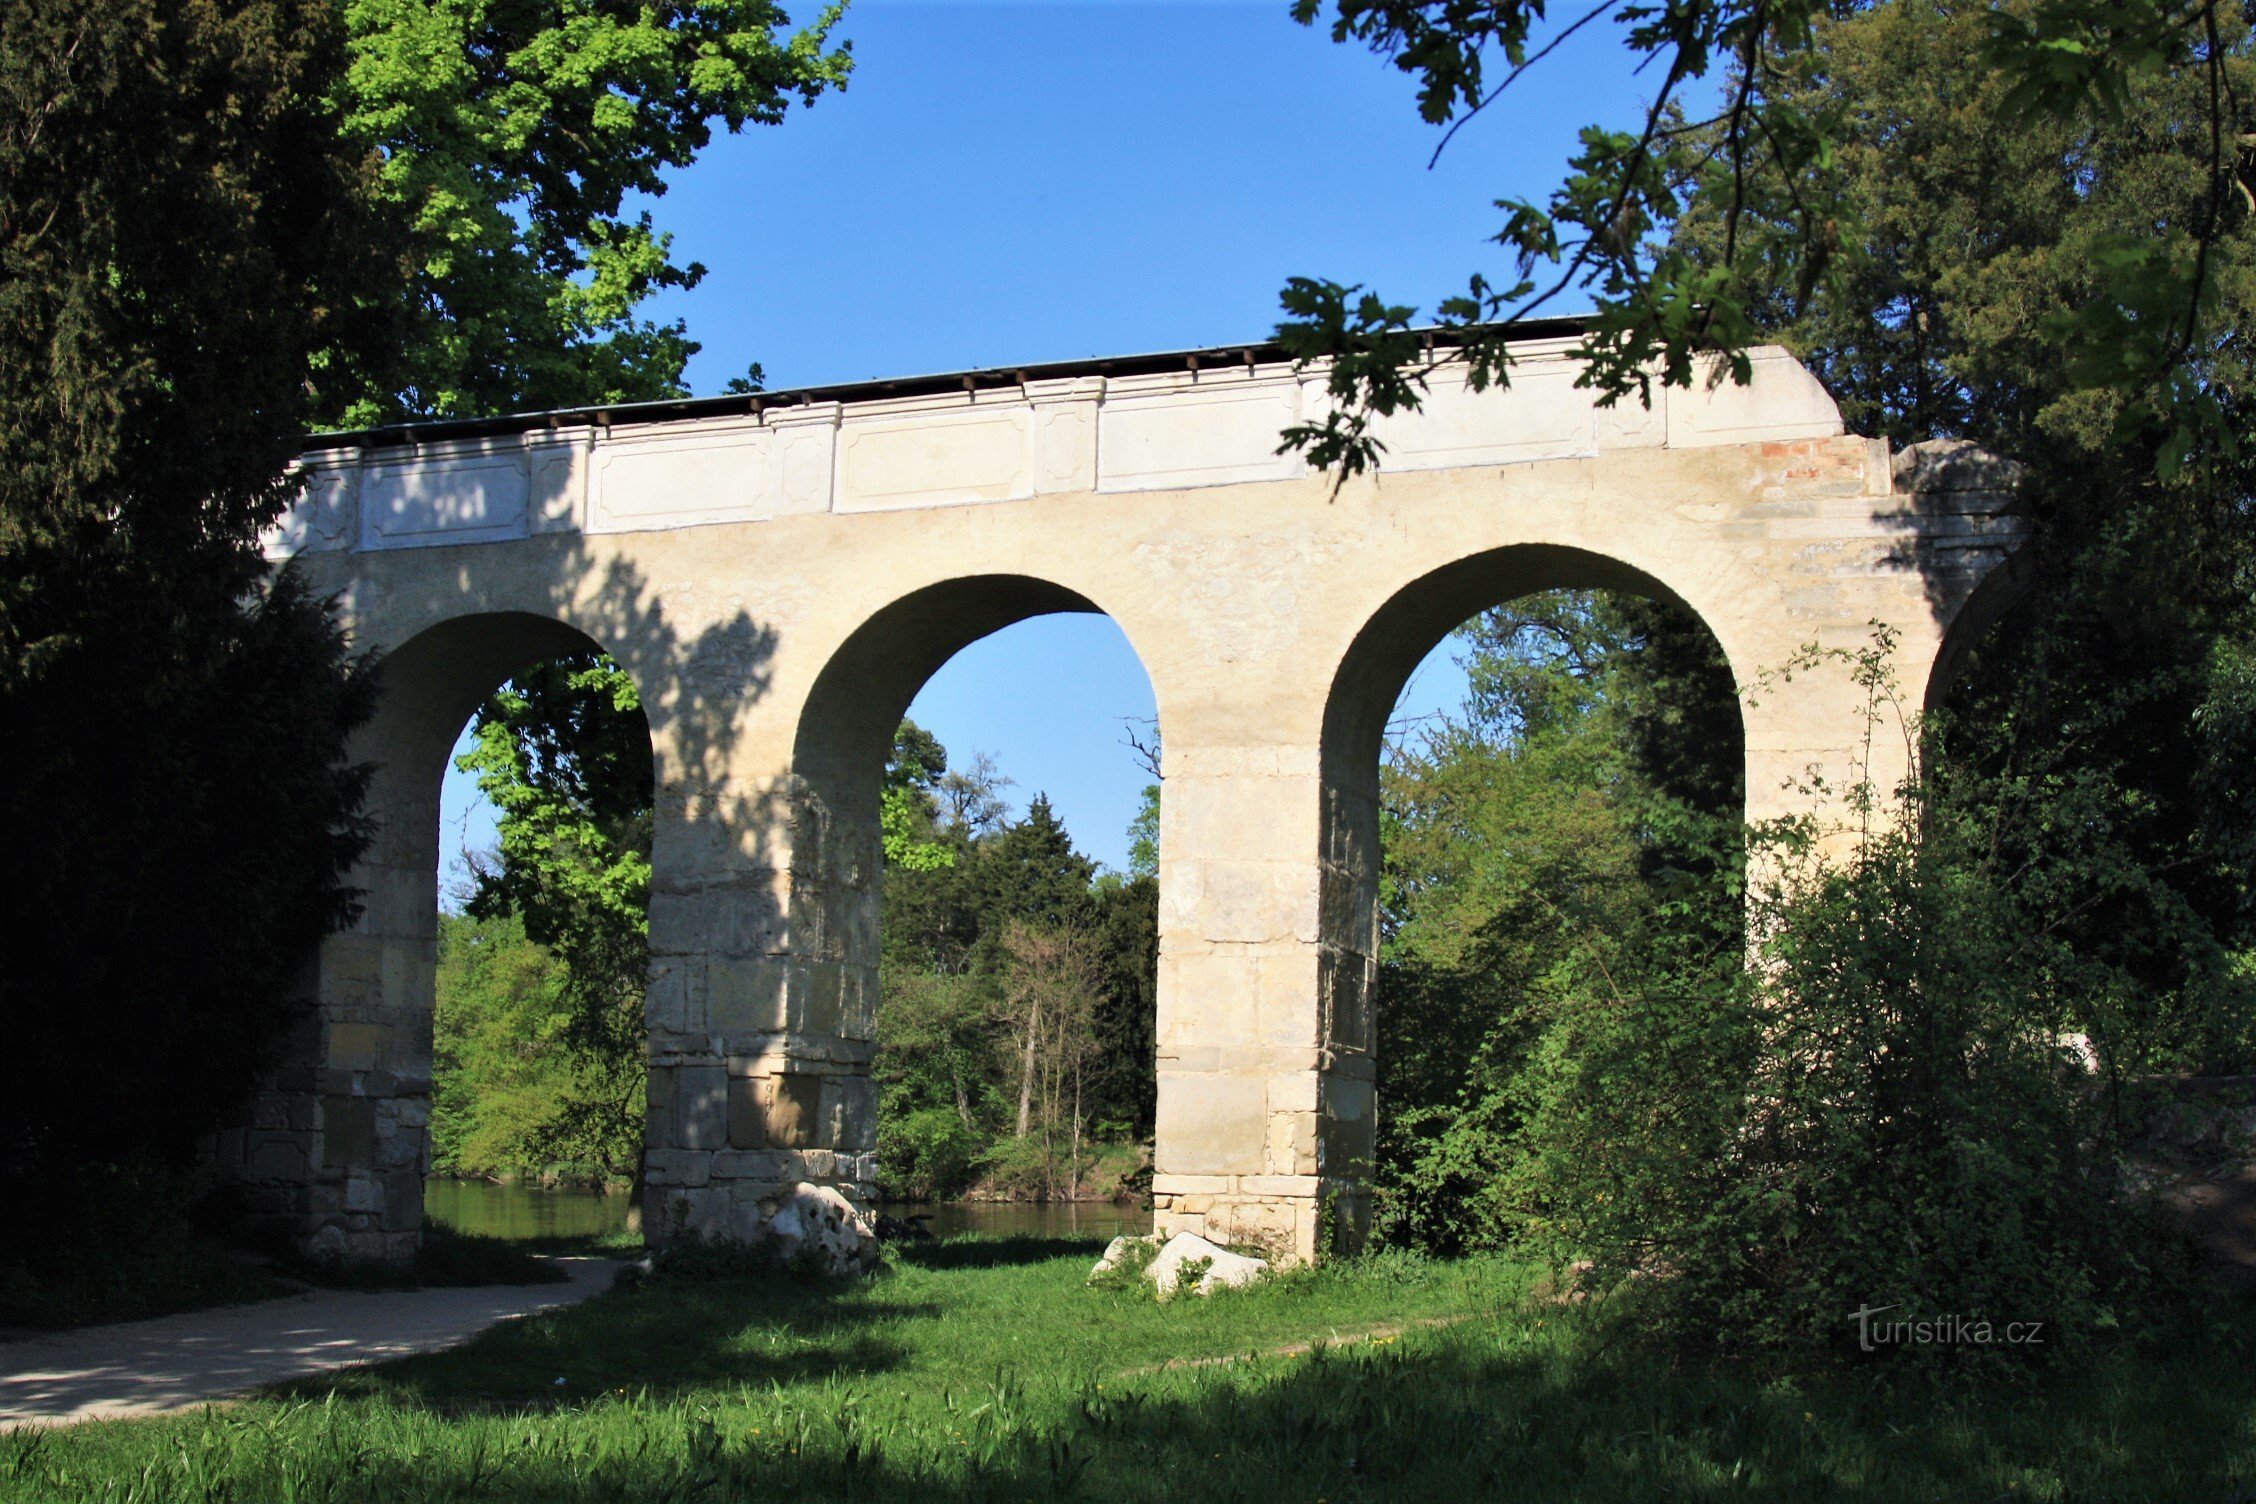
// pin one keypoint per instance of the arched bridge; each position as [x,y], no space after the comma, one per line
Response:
[781,573]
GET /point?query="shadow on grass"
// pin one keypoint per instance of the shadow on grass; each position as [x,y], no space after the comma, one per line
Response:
[615,1244]
[976,1252]
[446,1259]
[1497,1413]
[666,1339]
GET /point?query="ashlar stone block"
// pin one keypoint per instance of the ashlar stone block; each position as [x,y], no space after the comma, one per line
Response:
[1216,1125]
[348,1132]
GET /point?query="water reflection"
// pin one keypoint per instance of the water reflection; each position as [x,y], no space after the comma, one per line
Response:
[526,1213]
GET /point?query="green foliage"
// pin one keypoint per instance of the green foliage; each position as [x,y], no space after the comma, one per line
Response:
[500,1068]
[563,752]
[1034,874]
[152,399]
[908,815]
[1558,812]
[1873,1113]
[2103,720]
[173,781]
[1877,1112]
[1143,836]
[929,1153]
[1123,1082]
[938,1052]
[510,137]
[1126,1276]
[1983,231]
[1767,171]
[959,1033]
[1877,1116]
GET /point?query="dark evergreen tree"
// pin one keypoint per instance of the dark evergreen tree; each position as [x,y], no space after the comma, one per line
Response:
[181,230]
[1124,1086]
[1030,871]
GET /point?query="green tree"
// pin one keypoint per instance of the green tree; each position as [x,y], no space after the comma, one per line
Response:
[498,1069]
[1560,809]
[1743,125]
[511,138]
[1143,836]
[1123,1085]
[908,816]
[969,1030]
[1877,1115]
[1880,1103]
[179,808]
[563,752]
[2103,723]
[1030,870]
[1051,976]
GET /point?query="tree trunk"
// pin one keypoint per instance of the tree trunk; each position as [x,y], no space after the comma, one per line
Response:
[1026,1074]
[1074,1193]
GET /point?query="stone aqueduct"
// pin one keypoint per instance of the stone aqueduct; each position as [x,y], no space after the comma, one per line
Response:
[781,573]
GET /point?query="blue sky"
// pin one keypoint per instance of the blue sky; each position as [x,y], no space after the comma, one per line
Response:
[1013,181]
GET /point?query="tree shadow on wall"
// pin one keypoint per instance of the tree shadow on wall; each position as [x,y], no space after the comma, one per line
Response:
[447,627]
[1961,530]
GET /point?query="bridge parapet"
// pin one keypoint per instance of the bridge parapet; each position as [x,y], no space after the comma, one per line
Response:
[787,455]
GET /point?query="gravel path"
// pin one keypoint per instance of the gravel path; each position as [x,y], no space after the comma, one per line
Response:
[179,1362]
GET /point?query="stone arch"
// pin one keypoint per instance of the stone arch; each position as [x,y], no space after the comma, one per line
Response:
[846,726]
[844,735]
[1390,644]
[339,1146]
[1364,687]
[1988,603]
[772,1086]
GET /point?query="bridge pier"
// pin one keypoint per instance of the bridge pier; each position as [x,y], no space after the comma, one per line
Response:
[333,1154]
[763,1007]
[1265,1126]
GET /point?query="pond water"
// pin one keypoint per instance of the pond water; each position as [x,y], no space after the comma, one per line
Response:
[529,1212]
[523,1213]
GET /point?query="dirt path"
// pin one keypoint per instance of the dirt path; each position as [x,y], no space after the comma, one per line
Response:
[179,1362]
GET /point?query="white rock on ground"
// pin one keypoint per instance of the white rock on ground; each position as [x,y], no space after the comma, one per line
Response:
[821,1218]
[1225,1270]
[1116,1252]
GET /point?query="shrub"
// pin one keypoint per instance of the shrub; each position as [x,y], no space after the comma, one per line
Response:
[1875,1116]
[1848,1108]
[927,1155]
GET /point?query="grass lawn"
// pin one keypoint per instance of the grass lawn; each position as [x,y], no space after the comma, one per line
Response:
[984,1370]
